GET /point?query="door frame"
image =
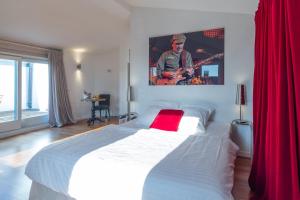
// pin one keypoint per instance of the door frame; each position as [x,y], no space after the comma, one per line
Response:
[16,124]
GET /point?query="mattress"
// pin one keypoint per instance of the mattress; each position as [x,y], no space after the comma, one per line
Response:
[133,162]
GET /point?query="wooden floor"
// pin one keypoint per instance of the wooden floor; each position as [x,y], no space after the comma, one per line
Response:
[16,151]
[241,190]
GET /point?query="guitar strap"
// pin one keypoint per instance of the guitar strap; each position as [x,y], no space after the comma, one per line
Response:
[182,60]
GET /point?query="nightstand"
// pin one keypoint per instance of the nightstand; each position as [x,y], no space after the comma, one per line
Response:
[124,118]
[242,135]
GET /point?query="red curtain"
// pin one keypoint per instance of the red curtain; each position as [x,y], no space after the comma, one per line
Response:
[275,173]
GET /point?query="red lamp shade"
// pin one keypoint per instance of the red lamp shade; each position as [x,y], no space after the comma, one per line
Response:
[240,95]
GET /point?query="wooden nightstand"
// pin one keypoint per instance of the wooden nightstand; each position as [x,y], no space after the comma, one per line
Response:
[242,135]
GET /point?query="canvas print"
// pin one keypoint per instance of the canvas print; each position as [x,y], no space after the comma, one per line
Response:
[194,58]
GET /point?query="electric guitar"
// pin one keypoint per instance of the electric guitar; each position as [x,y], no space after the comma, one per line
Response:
[182,74]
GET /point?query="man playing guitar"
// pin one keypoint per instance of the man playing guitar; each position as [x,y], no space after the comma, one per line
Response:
[175,67]
[175,64]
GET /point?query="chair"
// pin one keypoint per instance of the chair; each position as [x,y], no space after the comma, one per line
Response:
[104,105]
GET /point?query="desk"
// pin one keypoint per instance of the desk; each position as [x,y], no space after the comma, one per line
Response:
[93,110]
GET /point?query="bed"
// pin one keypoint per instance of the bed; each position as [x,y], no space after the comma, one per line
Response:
[133,162]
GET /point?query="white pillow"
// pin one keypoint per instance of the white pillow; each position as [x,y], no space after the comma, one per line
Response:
[166,104]
[204,105]
[193,120]
[148,116]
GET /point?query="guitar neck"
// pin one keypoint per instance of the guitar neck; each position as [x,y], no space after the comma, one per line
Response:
[219,55]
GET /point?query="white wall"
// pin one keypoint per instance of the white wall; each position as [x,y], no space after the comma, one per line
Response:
[77,81]
[106,76]
[99,74]
[239,58]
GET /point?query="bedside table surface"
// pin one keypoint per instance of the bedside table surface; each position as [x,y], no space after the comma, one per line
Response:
[241,122]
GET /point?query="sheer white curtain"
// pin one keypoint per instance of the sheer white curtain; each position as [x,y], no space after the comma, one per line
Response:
[60,112]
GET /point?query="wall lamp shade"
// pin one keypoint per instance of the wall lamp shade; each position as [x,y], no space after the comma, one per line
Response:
[240,95]
[241,99]
[78,66]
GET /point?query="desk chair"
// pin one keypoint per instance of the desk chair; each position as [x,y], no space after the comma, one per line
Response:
[104,105]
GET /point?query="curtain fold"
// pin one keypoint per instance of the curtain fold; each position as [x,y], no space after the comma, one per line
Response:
[60,112]
[276,101]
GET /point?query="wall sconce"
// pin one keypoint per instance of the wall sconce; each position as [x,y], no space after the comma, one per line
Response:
[78,66]
[241,99]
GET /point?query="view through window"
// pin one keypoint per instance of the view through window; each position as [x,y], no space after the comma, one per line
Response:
[8,70]
[34,88]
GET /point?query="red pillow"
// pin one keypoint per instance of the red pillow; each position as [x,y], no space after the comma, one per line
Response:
[167,120]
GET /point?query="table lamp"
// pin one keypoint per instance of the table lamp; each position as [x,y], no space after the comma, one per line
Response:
[241,100]
[86,96]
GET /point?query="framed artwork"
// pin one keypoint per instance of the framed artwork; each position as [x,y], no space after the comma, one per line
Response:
[194,58]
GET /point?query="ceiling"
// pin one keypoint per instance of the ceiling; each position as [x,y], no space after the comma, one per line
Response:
[232,6]
[94,25]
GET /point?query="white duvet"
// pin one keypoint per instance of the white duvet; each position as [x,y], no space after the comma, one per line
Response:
[123,162]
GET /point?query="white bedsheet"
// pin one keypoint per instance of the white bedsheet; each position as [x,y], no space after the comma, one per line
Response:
[135,164]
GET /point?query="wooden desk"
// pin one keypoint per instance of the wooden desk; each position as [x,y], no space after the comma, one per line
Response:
[93,110]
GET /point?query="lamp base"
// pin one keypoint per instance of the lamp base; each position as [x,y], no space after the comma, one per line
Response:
[241,121]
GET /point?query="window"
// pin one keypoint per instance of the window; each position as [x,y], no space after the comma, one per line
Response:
[24,92]
[35,89]
[8,71]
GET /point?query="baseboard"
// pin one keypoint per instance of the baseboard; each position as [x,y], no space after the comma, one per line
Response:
[23,130]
